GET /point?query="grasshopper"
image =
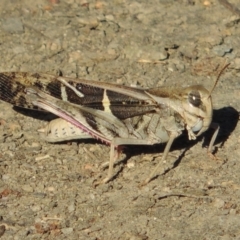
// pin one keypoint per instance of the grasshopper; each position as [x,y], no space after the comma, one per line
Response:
[114,114]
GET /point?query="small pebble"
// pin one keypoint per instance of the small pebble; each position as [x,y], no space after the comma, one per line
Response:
[67,231]
[13,25]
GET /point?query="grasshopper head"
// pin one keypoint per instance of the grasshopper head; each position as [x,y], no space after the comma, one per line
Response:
[197,109]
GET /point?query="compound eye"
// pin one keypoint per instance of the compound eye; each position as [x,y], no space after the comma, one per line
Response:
[194,98]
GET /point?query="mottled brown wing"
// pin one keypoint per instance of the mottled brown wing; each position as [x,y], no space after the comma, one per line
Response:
[122,101]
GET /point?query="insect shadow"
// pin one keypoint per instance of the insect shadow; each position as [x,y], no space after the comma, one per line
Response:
[227,118]
[37,114]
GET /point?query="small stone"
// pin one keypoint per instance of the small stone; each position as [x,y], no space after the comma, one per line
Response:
[189,51]
[222,50]
[51,189]
[131,164]
[5,177]
[13,25]
[91,22]
[27,188]
[172,67]
[36,208]
[109,17]
[236,63]
[212,40]
[34,146]
[153,55]
[67,231]
[232,211]
[17,50]
[162,55]
[207,3]
[74,56]
[71,207]
[218,203]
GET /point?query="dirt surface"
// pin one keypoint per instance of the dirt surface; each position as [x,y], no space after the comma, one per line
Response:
[47,190]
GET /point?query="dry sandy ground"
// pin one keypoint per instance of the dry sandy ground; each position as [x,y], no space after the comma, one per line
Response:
[47,190]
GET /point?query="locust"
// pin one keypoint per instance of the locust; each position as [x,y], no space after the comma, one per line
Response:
[113,114]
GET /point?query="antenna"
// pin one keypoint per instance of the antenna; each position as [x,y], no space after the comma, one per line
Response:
[218,77]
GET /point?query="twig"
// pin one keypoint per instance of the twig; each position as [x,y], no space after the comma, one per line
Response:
[230,7]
